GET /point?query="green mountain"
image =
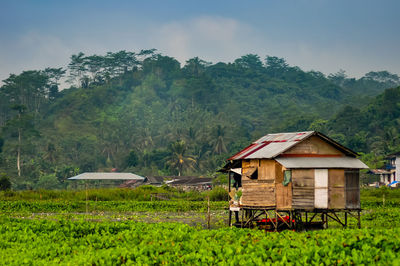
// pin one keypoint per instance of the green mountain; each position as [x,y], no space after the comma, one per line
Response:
[143,112]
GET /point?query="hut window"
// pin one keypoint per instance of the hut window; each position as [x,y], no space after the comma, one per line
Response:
[254,175]
[251,173]
[287,177]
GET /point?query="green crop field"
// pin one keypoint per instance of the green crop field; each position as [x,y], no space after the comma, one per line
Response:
[36,231]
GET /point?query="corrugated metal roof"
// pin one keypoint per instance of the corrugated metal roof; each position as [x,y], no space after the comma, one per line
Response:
[271,145]
[318,162]
[285,137]
[107,176]
[191,181]
[379,171]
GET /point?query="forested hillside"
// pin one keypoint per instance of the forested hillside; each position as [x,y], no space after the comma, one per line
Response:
[144,112]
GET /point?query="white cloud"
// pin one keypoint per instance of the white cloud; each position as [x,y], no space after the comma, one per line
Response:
[33,50]
[212,38]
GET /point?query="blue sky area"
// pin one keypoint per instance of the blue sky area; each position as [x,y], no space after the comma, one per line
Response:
[357,36]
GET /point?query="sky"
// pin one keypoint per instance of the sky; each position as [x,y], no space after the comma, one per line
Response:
[357,36]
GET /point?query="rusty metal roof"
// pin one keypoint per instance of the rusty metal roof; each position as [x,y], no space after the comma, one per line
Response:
[329,162]
[271,145]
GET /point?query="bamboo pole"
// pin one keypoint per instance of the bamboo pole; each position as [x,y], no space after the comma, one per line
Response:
[86,192]
[383,200]
[208,212]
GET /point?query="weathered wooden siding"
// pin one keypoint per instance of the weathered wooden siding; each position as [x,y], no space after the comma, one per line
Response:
[314,145]
[247,166]
[266,169]
[303,188]
[260,191]
[337,197]
[352,189]
[310,188]
[283,193]
[283,196]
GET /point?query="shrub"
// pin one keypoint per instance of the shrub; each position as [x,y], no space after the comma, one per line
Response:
[218,194]
[5,183]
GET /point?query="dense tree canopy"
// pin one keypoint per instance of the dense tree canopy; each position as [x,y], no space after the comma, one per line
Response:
[144,112]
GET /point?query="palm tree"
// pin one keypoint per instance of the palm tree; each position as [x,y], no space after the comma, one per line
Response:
[178,160]
[219,146]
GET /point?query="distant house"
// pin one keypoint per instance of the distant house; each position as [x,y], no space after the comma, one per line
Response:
[183,182]
[148,180]
[154,181]
[113,177]
[190,182]
[389,173]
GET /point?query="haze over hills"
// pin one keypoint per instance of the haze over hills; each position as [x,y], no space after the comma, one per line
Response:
[144,112]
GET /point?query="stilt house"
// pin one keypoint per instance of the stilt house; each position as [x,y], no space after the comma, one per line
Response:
[297,171]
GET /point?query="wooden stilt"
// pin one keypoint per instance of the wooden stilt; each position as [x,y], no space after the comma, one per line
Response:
[326,220]
[241,222]
[298,219]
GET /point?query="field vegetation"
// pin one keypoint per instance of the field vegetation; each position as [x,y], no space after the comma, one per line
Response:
[52,227]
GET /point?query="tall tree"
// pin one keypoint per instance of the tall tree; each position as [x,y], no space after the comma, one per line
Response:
[54,75]
[29,89]
[275,65]
[179,160]
[219,146]
[195,66]
[250,61]
[21,125]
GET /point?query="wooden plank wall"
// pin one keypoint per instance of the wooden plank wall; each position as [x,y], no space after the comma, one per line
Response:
[336,190]
[261,191]
[314,145]
[258,193]
[266,171]
[352,189]
[303,188]
[283,193]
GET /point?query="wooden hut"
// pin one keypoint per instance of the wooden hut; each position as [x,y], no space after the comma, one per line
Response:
[296,173]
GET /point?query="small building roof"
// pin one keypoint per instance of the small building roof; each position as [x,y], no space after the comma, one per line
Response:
[317,162]
[272,145]
[379,172]
[190,181]
[159,180]
[393,155]
[107,176]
